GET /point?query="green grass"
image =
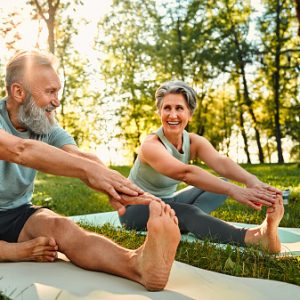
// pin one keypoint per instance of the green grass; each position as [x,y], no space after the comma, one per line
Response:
[71,197]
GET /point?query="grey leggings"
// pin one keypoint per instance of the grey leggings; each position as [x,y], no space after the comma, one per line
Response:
[192,207]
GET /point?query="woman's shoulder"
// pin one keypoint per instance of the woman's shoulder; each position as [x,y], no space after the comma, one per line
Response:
[150,138]
[194,137]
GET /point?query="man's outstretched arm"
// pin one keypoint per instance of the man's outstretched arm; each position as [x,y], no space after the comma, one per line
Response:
[48,159]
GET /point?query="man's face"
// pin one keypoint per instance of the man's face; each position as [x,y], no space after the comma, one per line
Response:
[37,111]
[34,118]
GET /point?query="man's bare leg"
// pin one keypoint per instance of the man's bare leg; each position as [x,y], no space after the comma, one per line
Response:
[266,234]
[155,257]
[149,265]
[37,249]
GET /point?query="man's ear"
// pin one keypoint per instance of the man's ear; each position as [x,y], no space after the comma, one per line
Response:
[17,92]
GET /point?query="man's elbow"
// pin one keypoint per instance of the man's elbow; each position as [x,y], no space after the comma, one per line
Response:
[17,153]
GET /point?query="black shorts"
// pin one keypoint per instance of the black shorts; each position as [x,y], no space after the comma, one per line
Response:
[13,220]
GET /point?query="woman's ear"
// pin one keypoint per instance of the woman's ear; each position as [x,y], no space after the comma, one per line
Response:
[17,92]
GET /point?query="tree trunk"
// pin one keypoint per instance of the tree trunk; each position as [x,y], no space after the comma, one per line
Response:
[49,17]
[241,123]
[276,75]
[244,135]
[297,4]
[180,51]
[251,112]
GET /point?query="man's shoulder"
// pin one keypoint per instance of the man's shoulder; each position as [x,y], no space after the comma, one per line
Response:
[2,112]
[2,104]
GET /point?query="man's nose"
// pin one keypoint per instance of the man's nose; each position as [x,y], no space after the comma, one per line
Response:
[55,101]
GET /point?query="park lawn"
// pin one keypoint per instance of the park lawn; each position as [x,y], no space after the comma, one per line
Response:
[71,197]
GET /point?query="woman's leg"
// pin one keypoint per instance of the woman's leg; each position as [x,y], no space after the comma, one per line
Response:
[136,217]
[192,219]
[206,201]
[203,226]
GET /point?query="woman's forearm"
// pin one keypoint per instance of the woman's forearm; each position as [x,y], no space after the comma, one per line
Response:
[202,179]
[231,170]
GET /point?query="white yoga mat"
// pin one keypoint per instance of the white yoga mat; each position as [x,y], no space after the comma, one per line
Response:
[63,281]
[290,237]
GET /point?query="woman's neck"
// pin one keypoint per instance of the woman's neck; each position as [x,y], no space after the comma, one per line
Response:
[176,140]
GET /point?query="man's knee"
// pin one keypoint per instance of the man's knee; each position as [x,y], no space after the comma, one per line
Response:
[61,225]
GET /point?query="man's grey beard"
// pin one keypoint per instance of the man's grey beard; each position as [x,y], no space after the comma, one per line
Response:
[34,118]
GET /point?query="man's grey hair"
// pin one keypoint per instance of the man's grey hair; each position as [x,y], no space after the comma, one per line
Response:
[177,87]
[22,63]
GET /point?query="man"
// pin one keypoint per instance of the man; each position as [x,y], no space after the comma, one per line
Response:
[30,139]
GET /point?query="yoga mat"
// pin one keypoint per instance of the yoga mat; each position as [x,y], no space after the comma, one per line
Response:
[62,280]
[290,237]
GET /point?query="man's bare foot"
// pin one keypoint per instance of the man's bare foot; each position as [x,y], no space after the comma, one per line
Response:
[39,249]
[155,257]
[266,234]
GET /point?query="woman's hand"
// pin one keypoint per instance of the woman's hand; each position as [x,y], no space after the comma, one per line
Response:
[255,197]
[256,183]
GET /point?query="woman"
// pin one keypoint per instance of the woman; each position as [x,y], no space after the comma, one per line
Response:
[163,162]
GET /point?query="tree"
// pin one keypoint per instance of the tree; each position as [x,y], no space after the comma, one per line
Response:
[47,10]
[232,25]
[125,69]
[278,46]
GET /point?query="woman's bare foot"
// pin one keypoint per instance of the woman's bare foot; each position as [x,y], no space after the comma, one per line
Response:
[39,249]
[266,234]
[155,257]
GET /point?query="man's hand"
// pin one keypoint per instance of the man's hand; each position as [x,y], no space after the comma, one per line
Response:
[103,179]
[100,178]
[120,204]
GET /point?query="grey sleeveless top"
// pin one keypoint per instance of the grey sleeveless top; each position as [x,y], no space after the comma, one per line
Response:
[153,182]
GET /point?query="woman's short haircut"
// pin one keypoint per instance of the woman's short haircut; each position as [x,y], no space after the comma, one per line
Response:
[21,64]
[176,87]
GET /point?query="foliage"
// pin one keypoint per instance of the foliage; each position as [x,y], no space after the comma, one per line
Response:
[209,47]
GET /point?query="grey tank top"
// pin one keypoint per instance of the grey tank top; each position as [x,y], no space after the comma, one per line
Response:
[153,182]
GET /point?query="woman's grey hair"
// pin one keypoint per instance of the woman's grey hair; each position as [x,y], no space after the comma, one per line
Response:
[22,63]
[177,87]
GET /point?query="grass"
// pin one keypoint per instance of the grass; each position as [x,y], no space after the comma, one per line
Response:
[71,197]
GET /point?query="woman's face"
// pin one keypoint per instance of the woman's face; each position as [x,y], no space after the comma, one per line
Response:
[174,113]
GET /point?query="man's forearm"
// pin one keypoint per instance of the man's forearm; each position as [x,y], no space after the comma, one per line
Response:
[48,159]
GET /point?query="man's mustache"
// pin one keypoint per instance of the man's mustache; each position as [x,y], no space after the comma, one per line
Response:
[50,108]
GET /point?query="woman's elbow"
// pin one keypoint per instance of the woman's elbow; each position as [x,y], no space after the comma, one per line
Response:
[182,175]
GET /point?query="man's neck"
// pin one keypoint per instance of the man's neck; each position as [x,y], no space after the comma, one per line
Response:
[12,110]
